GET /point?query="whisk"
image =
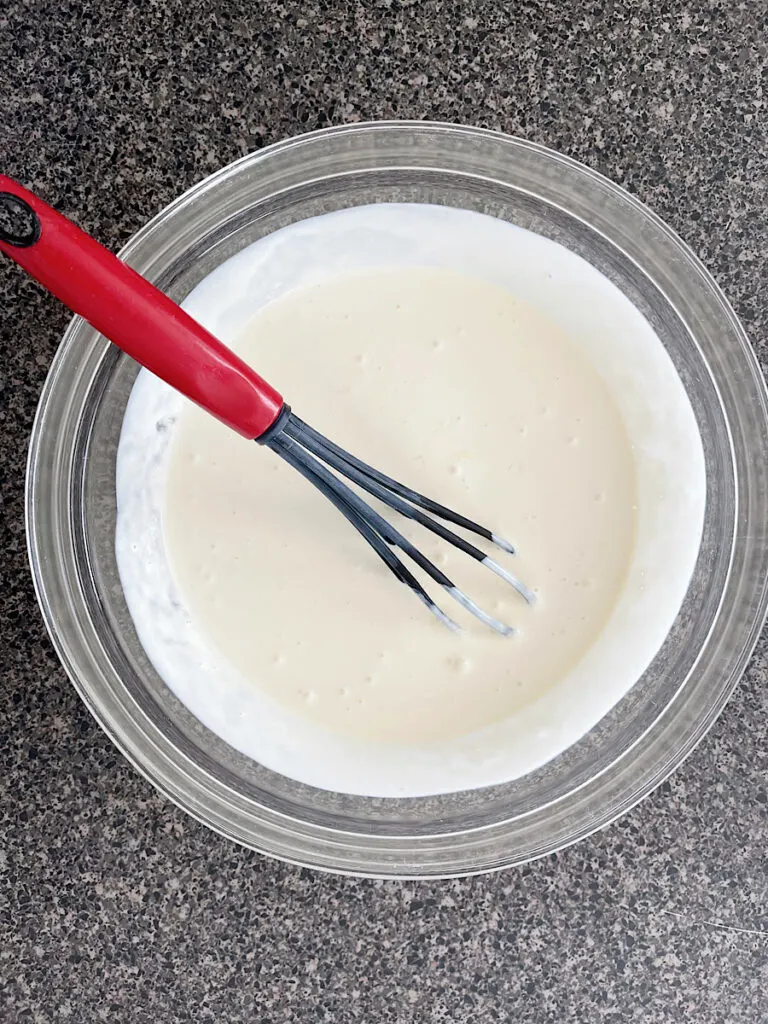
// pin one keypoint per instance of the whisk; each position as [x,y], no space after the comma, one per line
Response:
[153,330]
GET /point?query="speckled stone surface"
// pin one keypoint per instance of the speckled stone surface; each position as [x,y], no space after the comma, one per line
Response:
[114,905]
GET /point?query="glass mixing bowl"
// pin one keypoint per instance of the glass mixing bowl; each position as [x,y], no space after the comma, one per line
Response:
[71,509]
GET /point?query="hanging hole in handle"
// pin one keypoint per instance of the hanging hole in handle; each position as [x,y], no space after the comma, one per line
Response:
[19,224]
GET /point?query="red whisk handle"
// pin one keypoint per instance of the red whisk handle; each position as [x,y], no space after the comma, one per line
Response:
[132,313]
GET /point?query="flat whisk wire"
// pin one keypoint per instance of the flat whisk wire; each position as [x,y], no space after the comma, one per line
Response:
[311,454]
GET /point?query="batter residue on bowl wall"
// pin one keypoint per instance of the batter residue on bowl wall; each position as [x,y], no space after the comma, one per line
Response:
[495,371]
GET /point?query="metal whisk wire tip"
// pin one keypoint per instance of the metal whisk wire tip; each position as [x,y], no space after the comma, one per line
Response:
[311,454]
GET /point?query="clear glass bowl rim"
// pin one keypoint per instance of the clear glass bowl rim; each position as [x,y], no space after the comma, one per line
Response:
[668,742]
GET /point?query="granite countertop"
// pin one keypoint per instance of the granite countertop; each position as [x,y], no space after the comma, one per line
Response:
[115,905]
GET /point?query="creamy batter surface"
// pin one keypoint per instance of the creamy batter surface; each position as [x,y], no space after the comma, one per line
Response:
[494,371]
[457,386]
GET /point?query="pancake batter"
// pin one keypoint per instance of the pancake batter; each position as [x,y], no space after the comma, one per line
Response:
[458,386]
[548,411]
